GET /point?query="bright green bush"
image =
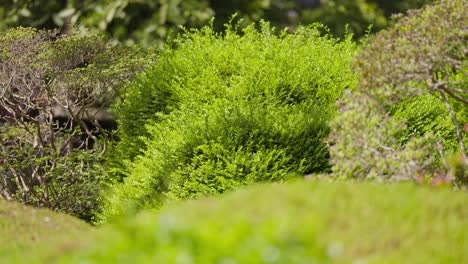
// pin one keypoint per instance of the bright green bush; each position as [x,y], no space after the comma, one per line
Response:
[427,114]
[227,110]
[302,222]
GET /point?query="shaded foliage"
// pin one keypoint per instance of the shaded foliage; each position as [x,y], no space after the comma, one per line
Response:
[150,22]
[52,98]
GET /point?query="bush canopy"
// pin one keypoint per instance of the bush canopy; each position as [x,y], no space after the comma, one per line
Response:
[226,110]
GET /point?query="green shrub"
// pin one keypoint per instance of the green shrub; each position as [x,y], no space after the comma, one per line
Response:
[427,114]
[52,138]
[301,222]
[415,73]
[227,110]
[424,53]
[365,144]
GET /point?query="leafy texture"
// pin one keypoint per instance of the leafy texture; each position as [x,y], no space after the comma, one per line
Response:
[364,144]
[54,90]
[223,111]
[417,72]
[424,53]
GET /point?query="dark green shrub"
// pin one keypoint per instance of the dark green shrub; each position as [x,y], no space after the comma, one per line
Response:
[151,22]
[51,132]
[228,110]
[417,72]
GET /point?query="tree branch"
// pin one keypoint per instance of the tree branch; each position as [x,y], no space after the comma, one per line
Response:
[457,126]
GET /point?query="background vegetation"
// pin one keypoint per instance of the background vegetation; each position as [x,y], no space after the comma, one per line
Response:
[150,22]
[416,71]
[52,123]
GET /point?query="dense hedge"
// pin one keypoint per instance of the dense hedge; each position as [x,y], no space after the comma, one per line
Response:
[302,222]
[222,111]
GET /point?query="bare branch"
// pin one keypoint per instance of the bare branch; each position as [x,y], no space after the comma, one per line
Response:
[457,127]
[459,98]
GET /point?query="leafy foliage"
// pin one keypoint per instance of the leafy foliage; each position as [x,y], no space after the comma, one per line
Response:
[52,135]
[417,72]
[228,110]
[427,114]
[425,52]
[150,22]
[364,144]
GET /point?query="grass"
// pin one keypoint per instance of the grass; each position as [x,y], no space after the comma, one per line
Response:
[26,232]
[300,222]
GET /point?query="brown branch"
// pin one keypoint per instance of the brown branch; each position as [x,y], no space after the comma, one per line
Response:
[449,92]
[457,126]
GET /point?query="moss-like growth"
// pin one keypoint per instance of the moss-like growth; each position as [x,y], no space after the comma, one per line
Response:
[302,222]
[28,233]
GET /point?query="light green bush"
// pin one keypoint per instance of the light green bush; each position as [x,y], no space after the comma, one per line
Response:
[423,54]
[427,114]
[223,111]
[414,73]
[365,144]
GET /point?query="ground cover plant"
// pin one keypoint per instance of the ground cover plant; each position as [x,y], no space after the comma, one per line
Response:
[226,110]
[300,222]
